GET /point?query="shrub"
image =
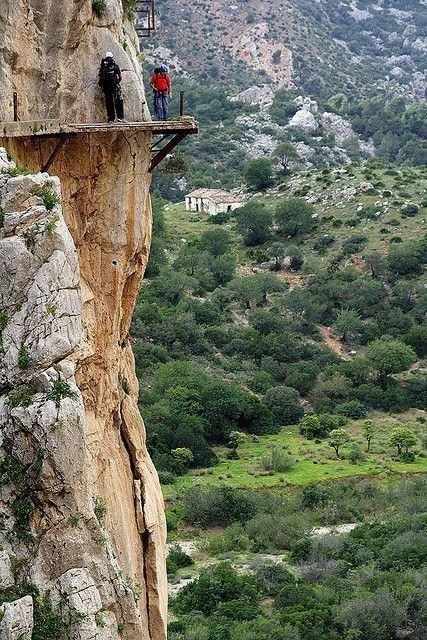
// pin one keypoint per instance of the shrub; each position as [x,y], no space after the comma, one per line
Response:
[278,460]
[409,210]
[98,7]
[129,7]
[23,359]
[274,531]
[417,339]
[49,197]
[354,244]
[217,585]
[261,381]
[21,396]
[177,559]
[217,506]
[313,495]
[352,409]
[355,454]
[273,576]
[167,477]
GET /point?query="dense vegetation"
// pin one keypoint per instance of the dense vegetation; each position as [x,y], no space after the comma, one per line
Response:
[281,350]
[222,348]
[367,584]
[336,45]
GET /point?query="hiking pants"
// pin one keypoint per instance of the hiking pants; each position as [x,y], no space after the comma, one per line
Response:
[161,105]
[114,104]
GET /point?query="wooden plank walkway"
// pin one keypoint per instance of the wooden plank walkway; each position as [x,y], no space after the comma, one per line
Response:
[185,125]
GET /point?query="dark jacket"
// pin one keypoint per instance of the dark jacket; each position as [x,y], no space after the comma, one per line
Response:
[110,75]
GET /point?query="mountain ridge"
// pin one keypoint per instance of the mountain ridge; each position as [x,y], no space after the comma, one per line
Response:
[358,46]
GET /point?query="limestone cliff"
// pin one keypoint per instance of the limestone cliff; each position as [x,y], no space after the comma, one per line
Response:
[50,53]
[82,511]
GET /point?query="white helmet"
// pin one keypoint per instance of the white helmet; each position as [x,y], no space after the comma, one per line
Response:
[109,55]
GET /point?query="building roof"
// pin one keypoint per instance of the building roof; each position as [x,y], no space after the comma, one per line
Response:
[215,195]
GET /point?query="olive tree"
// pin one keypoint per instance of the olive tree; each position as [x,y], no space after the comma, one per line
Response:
[338,437]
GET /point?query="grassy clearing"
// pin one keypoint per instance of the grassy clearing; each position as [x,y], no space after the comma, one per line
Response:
[315,460]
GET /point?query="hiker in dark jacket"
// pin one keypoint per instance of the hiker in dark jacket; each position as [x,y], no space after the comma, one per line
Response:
[110,77]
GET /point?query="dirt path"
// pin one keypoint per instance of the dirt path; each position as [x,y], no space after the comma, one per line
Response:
[332,342]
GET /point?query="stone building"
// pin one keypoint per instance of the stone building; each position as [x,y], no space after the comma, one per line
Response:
[212,201]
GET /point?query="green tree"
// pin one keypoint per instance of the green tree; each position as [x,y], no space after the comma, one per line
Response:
[183,458]
[171,286]
[223,268]
[347,323]
[402,438]
[337,438]
[368,432]
[301,376]
[389,357]
[284,403]
[294,217]
[246,289]
[191,259]
[310,427]
[253,223]
[269,283]
[215,241]
[302,305]
[286,153]
[319,426]
[278,252]
[417,339]
[259,174]
[376,262]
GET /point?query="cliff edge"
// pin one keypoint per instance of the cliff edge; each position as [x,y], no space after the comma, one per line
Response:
[83,533]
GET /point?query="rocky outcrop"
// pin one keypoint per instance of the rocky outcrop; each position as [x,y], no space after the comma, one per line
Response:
[82,511]
[17,619]
[303,120]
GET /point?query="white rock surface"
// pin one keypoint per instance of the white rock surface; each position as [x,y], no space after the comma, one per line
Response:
[304,121]
[6,575]
[79,591]
[40,277]
[17,619]
[341,128]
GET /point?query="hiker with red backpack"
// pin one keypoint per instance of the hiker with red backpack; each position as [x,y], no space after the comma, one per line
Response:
[110,77]
[160,82]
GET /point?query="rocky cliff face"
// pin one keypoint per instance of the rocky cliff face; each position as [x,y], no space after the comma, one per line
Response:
[50,53]
[82,511]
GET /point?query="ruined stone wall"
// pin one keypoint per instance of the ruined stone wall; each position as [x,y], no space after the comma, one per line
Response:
[82,507]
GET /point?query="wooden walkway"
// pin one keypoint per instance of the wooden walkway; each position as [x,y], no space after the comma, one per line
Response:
[185,124]
[171,133]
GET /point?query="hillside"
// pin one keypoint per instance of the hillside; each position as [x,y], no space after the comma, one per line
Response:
[275,434]
[278,312]
[324,47]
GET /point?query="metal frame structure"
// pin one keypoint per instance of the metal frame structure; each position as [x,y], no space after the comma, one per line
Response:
[144,14]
